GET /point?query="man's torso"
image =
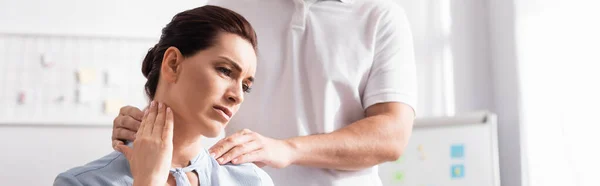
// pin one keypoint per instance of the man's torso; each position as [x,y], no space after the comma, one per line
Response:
[314,60]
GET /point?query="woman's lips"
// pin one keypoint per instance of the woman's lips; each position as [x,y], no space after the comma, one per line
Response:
[224,111]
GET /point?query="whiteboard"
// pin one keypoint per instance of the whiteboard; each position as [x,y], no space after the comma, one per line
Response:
[448,151]
[69,80]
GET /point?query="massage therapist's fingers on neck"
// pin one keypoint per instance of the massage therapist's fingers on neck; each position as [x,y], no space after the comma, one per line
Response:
[152,152]
[126,125]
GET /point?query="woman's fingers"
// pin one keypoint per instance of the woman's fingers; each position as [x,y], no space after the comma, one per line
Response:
[150,156]
[144,123]
[128,152]
[116,143]
[152,111]
[167,132]
[159,122]
[155,121]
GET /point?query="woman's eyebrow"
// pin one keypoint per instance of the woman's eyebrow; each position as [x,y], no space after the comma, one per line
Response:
[236,66]
[232,63]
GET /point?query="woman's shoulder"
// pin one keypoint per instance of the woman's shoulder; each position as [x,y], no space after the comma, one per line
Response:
[246,174]
[112,169]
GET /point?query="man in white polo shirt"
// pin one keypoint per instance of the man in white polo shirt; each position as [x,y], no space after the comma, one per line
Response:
[334,92]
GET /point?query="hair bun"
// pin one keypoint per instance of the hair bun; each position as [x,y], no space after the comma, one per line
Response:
[148,61]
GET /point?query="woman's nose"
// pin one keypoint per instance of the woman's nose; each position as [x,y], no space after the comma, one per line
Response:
[236,95]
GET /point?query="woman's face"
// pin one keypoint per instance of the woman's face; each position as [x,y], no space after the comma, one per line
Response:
[205,90]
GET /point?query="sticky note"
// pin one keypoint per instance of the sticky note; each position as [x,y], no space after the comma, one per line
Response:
[112,106]
[399,176]
[86,76]
[457,151]
[22,97]
[457,171]
[422,154]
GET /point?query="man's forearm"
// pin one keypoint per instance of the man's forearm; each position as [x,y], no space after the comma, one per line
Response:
[365,143]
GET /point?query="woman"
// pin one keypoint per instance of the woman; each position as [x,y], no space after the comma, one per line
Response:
[197,76]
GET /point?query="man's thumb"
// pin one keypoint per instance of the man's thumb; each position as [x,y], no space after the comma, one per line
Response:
[126,150]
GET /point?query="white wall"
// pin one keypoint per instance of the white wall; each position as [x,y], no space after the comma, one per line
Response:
[34,155]
[470,50]
[486,76]
[507,100]
[131,18]
[464,72]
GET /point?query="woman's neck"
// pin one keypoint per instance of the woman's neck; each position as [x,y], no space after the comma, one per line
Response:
[186,144]
[186,141]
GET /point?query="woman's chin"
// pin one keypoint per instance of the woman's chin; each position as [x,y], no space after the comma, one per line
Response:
[214,130]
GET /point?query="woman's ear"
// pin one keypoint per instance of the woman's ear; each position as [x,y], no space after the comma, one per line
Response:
[171,64]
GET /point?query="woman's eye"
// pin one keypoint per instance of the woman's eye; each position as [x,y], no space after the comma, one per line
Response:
[246,88]
[224,70]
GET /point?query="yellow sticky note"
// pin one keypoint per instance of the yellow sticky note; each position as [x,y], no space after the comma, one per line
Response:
[112,106]
[86,75]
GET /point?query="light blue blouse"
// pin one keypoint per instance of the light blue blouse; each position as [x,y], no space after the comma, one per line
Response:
[113,169]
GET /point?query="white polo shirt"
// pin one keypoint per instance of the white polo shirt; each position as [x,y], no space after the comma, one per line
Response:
[321,64]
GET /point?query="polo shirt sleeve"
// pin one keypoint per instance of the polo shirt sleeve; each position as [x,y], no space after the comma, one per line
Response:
[65,179]
[392,77]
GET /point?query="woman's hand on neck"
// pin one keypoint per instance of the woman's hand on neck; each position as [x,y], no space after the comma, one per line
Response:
[186,141]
